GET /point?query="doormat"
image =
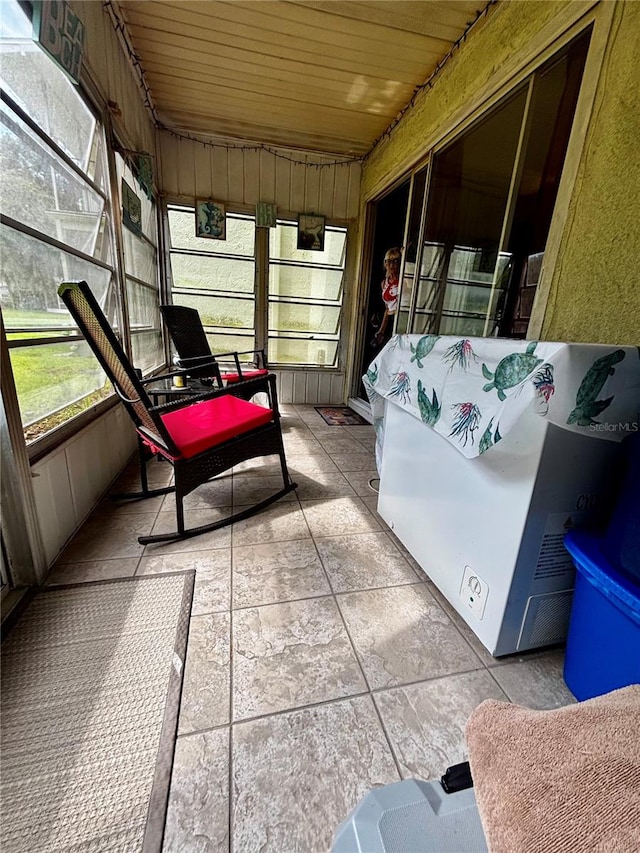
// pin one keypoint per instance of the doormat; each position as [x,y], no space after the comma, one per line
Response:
[340,416]
[91,684]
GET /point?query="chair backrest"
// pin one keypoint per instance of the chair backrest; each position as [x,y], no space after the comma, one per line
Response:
[190,340]
[188,336]
[90,319]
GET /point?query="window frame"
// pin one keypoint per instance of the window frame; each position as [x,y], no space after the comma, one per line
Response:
[260,293]
[329,337]
[523,81]
[243,296]
[48,441]
[128,331]
[109,193]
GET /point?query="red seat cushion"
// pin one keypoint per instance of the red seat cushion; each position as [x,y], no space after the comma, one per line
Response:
[246,374]
[203,425]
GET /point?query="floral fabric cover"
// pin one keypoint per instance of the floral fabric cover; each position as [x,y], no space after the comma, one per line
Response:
[472,391]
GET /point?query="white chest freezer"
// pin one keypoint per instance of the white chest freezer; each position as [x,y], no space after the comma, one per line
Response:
[487,524]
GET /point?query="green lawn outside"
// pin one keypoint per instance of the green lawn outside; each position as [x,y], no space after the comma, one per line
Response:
[53,376]
[19,318]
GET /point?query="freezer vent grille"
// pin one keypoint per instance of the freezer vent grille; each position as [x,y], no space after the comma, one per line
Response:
[546,620]
[553,560]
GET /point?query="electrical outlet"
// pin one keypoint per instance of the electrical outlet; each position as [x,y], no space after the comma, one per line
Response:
[474,592]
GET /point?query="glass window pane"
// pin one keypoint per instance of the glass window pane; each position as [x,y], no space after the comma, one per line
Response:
[554,97]
[148,349]
[51,376]
[471,326]
[147,205]
[284,238]
[402,325]
[31,274]
[431,267]
[143,306]
[305,282]
[229,319]
[410,254]
[231,342]
[97,167]
[140,258]
[422,322]
[468,298]
[54,381]
[288,317]
[294,290]
[141,261]
[203,273]
[240,234]
[292,351]
[44,92]
[220,310]
[466,208]
[40,191]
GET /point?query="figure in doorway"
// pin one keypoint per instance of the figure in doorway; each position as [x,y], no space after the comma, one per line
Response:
[390,286]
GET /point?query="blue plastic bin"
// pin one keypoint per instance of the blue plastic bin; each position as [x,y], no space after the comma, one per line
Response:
[603,644]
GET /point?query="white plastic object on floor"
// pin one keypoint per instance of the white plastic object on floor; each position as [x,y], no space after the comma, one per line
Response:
[412,816]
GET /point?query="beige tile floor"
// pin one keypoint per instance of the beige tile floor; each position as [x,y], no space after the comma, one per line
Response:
[321,659]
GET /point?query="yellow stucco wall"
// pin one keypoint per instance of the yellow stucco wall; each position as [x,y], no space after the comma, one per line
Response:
[594,291]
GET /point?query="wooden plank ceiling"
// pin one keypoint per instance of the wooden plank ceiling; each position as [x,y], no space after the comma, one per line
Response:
[326,76]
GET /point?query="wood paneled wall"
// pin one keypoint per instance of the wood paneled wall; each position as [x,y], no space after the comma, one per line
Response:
[69,483]
[111,73]
[315,387]
[245,176]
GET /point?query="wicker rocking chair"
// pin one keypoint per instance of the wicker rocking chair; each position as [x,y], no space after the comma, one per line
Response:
[201,436]
[194,354]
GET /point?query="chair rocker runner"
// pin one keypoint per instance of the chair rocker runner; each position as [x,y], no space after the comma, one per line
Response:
[194,354]
[201,436]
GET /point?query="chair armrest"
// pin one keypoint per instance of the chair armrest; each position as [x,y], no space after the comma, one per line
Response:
[197,361]
[235,355]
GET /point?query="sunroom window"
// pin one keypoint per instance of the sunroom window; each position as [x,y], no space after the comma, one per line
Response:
[305,297]
[216,277]
[300,290]
[141,274]
[55,227]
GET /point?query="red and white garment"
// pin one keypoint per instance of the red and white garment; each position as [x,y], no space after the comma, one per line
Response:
[390,294]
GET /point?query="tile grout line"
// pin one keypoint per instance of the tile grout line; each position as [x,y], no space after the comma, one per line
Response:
[366,680]
[306,707]
[230,747]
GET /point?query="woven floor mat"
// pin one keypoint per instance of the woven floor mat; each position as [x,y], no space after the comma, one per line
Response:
[91,682]
[340,416]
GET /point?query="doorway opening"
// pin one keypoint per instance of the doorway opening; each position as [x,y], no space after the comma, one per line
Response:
[390,215]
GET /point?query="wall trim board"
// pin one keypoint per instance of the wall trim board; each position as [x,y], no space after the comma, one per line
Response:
[358,307]
[602,27]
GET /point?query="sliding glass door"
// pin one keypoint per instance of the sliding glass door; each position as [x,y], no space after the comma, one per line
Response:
[462,262]
[490,195]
